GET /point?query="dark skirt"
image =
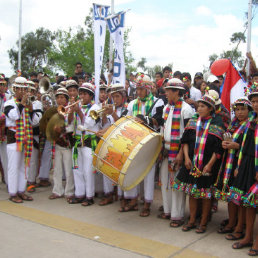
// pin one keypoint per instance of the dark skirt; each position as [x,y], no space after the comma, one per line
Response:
[245,179]
[202,186]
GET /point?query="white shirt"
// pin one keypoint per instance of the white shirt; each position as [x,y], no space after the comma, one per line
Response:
[195,94]
[186,113]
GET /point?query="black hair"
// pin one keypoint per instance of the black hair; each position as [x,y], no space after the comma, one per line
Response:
[167,68]
[188,75]
[89,74]
[35,80]
[180,92]
[60,79]
[159,73]
[80,77]
[102,77]
[212,86]
[33,74]
[241,104]
[78,63]
[177,73]
[75,78]
[254,75]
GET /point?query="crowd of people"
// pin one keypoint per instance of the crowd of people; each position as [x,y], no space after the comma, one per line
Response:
[205,155]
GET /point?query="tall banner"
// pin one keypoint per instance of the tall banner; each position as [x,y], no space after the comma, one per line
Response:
[115,25]
[100,12]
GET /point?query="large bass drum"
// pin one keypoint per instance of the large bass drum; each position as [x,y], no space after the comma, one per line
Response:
[127,152]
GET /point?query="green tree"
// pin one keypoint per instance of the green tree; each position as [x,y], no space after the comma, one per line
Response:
[234,54]
[78,46]
[34,52]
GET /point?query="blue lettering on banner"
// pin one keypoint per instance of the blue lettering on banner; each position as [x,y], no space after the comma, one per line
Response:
[115,22]
[100,11]
[117,69]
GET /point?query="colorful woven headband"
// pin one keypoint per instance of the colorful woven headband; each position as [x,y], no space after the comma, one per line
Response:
[244,102]
[251,91]
[208,99]
[143,81]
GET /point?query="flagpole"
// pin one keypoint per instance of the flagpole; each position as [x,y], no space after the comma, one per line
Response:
[249,34]
[111,41]
[20,32]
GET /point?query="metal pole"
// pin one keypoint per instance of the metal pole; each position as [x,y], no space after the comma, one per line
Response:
[249,35]
[20,32]
[111,41]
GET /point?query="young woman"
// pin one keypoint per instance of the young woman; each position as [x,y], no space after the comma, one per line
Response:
[244,190]
[231,143]
[202,152]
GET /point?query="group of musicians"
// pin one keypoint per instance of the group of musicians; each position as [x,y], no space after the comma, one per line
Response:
[204,155]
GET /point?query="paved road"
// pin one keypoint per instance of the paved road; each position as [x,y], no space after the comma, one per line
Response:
[45,228]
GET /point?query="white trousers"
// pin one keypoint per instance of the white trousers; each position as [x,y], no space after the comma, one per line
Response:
[45,164]
[63,162]
[84,178]
[34,163]
[16,170]
[148,188]
[108,185]
[173,201]
[3,156]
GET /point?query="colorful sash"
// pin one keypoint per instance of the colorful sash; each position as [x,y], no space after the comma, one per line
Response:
[231,155]
[200,142]
[24,135]
[175,131]
[137,106]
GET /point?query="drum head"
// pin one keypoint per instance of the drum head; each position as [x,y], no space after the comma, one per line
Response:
[140,161]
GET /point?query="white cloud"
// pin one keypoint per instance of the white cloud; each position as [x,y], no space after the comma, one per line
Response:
[203,10]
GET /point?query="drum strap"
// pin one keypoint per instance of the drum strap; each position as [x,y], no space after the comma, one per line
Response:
[152,106]
[79,139]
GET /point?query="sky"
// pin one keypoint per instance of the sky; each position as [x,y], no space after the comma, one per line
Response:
[182,32]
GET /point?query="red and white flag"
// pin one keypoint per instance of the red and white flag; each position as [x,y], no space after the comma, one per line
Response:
[234,84]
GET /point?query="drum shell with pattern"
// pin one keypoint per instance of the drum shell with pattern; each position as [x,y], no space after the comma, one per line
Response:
[127,152]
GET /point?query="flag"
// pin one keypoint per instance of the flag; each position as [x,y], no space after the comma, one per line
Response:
[115,25]
[100,13]
[234,84]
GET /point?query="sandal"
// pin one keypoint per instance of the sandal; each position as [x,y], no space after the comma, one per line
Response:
[224,230]
[106,200]
[75,200]
[176,223]
[43,183]
[163,216]
[188,227]
[201,229]
[25,197]
[233,237]
[253,252]
[224,222]
[54,196]
[161,208]
[238,245]
[131,207]
[87,202]
[15,199]
[145,212]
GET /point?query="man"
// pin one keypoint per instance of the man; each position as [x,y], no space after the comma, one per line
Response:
[195,94]
[176,115]
[198,79]
[81,80]
[78,70]
[103,93]
[19,140]
[109,117]
[85,143]
[158,76]
[63,154]
[72,88]
[36,115]
[147,110]
[3,154]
